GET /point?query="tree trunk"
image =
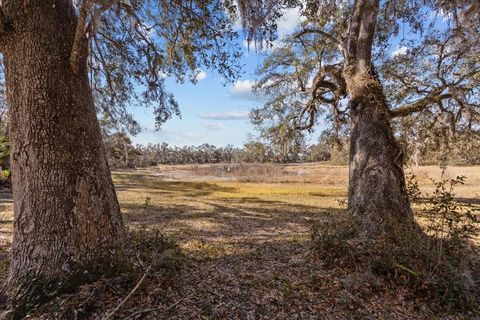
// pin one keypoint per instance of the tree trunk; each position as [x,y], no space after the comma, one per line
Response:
[377,195]
[125,149]
[68,224]
[377,192]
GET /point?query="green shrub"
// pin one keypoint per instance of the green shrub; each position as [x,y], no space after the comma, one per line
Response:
[5,177]
[440,265]
[5,174]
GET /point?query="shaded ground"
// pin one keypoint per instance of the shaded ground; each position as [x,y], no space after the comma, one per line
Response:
[245,251]
[248,251]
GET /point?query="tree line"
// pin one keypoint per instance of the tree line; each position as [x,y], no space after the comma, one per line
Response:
[122,153]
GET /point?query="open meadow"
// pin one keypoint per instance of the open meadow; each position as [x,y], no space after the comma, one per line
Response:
[242,235]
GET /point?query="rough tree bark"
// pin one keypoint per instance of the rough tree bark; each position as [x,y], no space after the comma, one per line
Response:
[377,192]
[67,218]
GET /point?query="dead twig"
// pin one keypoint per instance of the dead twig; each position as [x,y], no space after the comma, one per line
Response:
[110,315]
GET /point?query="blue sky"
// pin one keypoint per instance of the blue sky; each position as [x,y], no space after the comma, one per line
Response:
[217,113]
[212,112]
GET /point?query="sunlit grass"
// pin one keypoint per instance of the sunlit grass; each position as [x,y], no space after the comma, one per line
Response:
[245,232]
[201,200]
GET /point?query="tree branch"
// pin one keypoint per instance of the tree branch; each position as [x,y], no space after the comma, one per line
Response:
[79,39]
[360,33]
[92,26]
[327,35]
[321,86]
[418,105]
[82,27]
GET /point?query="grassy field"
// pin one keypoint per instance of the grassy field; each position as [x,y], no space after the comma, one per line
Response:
[245,232]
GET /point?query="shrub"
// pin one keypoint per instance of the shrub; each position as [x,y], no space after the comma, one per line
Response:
[5,177]
[440,265]
[449,218]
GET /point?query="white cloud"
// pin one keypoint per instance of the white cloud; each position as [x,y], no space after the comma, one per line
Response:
[443,14]
[162,75]
[243,90]
[182,136]
[400,51]
[265,47]
[199,75]
[234,115]
[310,80]
[215,126]
[290,20]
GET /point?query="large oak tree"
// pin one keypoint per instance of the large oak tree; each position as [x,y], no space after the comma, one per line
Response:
[65,62]
[338,64]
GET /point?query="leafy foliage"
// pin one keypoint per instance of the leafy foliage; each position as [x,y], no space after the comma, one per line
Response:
[4,150]
[138,45]
[440,266]
[432,75]
[135,47]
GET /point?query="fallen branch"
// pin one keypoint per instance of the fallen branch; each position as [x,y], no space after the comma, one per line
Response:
[110,315]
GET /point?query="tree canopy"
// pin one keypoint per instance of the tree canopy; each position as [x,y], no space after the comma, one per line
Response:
[133,46]
[433,73]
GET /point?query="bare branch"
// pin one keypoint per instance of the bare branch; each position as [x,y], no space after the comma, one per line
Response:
[327,35]
[419,105]
[82,27]
[79,39]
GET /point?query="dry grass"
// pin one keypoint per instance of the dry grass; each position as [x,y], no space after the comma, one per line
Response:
[245,232]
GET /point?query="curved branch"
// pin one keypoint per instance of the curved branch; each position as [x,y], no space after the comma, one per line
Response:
[418,105]
[335,86]
[327,35]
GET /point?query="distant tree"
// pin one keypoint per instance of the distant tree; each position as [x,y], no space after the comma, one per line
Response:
[255,152]
[338,64]
[121,151]
[317,152]
[285,142]
[5,173]
[229,153]
[155,154]
[437,143]
[65,61]
[330,147]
